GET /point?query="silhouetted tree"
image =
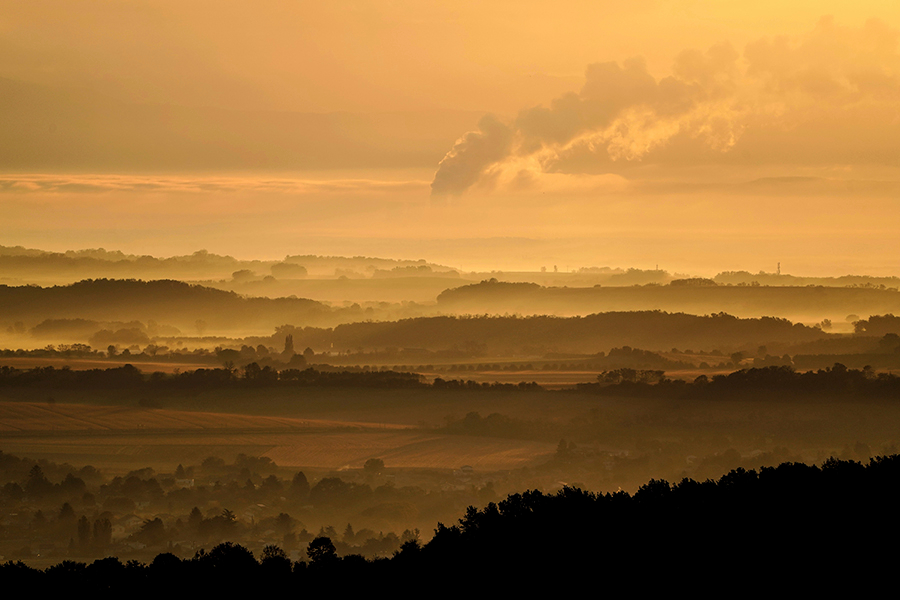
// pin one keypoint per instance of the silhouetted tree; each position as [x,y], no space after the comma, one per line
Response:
[321,552]
[275,562]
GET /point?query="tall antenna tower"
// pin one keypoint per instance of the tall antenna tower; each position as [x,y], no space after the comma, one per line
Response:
[779,268]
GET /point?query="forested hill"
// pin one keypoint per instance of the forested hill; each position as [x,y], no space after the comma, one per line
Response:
[810,303]
[593,333]
[777,526]
[171,302]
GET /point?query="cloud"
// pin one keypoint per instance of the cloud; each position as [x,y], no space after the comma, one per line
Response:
[831,63]
[829,97]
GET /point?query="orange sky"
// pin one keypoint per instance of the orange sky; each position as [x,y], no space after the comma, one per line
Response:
[703,136]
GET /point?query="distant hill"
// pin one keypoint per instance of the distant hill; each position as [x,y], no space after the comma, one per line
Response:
[762,278]
[29,265]
[165,301]
[796,303]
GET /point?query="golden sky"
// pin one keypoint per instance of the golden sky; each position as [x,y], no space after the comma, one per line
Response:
[700,135]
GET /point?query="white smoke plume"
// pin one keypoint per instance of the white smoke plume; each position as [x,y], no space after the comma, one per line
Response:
[819,98]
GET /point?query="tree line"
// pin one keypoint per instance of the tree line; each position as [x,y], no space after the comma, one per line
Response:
[835,381]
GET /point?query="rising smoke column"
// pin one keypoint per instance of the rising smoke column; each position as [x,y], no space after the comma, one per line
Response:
[828,98]
[465,163]
[619,107]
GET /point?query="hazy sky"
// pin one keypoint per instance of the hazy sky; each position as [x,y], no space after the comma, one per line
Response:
[703,136]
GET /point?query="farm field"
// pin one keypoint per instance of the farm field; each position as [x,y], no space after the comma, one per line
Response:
[123,438]
[332,429]
[423,408]
[80,364]
[48,419]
